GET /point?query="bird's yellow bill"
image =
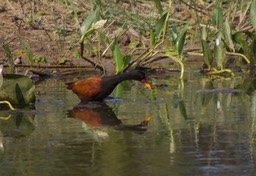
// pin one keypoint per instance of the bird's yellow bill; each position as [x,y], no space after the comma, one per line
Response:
[146,84]
[146,121]
[148,118]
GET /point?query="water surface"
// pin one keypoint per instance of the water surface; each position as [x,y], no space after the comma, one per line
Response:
[200,127]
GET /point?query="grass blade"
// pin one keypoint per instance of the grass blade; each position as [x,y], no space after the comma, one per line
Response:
[160,24]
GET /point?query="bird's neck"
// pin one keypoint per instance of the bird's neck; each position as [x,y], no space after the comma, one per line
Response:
[116,79]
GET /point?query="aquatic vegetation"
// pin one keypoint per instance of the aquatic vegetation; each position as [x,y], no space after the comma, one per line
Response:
[141,34]
[16,90]
[221,38]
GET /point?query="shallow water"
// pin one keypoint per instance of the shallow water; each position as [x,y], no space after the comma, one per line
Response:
[201,127]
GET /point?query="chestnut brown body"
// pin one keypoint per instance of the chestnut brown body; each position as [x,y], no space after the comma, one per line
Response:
[98,88]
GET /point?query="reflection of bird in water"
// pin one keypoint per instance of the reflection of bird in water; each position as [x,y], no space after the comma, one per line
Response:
[94,114]
[139,127]
[98,88]
[100,114]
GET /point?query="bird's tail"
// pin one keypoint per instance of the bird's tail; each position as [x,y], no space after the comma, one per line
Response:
[70,85]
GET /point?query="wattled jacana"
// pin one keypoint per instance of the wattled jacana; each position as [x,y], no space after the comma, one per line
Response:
[98,88]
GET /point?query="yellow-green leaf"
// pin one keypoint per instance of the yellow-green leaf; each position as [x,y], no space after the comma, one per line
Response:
[219,50]
[228,35]
[253,13]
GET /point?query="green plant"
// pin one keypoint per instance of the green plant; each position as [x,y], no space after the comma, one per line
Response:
[26,47]
[62,60]
[219,40]
[39,59]
[10,58]
[120,60]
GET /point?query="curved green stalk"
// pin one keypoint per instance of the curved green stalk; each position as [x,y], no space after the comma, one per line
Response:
[241,55]
[221,71]
[5,118]
[170,54]
[8,103]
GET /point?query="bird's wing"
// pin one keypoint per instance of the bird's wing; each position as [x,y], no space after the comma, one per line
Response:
[89,87]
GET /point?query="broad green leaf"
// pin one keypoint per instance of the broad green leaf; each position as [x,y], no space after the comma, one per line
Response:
[160,24]
[158,6]
[118,58]
[219,50]
[93,17]
[228,35]
[240,40]
[17,89]
[253,13]
[10,58]
[207,53]
[175,34]
[181,41]
[218,17]
[126,60]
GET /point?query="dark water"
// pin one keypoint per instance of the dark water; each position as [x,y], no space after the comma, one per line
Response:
[201,127]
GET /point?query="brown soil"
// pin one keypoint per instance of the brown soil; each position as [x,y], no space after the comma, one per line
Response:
[46,35]
[53,34]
